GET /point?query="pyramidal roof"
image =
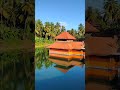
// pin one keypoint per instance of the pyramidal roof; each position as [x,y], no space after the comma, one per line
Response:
[90,28]
[66,36]
[67,45]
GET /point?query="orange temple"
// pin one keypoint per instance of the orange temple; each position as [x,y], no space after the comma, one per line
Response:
[66,47]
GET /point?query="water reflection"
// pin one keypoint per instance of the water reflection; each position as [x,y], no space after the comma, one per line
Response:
[41,58]
[16,70]
[102,73]
[58,73]
[65,64]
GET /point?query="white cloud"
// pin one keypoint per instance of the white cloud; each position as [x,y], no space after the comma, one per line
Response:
[63,23]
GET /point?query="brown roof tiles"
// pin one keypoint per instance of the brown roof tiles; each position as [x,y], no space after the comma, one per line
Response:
[65,36]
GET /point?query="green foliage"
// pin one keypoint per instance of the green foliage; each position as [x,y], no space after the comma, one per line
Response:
[43,40]
[79,34]
[49,30]
[11,33]
[16,19]
[109,18]
[41,58]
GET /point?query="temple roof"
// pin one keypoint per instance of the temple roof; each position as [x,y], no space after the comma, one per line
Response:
[90,28]
[67,45]
[66,36]
[101,46]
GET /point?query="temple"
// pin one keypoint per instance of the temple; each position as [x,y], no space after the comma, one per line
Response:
[66,47]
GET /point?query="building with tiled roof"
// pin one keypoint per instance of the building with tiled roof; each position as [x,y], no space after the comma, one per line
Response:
[66,47]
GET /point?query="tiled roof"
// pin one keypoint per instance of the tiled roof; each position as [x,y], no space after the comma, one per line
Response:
[101,46]
[90,28]
[65,36]
[67,45]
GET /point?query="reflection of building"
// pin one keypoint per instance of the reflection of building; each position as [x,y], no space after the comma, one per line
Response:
[101,71]
[66,47]
[101,79]
[101,67]
[97,73]
[63,69]
[64,65]
[101,62]
[102,59]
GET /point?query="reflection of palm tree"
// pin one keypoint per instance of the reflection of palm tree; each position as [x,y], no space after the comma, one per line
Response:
[10,66]
[41,58]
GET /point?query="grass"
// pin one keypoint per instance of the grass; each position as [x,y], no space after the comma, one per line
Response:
[41,42]
[7,45]
[16,44]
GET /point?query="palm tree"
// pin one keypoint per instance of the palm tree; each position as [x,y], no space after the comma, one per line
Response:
[3,11]
[47,29]
[81,30]
[63,29]
[26,16]
[110,10]
[57,28]
[38,28]
[28,10]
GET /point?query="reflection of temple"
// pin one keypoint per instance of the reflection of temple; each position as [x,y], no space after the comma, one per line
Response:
[102,60]
[101,73]
[101,67]
[65,65]
[66,47]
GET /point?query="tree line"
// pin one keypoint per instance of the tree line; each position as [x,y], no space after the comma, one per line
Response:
[106,19]
[16,19]
[50,30]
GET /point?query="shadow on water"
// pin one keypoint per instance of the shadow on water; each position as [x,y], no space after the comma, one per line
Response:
[16,70]
[102,73]
[58,73]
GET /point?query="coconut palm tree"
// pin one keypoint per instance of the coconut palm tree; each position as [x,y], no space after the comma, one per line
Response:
[110,7]
[38,28]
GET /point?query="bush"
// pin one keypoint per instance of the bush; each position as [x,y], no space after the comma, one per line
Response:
[11,33]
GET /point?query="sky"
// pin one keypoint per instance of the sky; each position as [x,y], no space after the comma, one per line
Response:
[69,13]
[96,4]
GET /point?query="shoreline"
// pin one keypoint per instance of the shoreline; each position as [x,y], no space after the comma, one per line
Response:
[26,45]
[42,45]
[23,45]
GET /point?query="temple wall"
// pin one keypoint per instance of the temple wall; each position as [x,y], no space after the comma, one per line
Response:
[66,54]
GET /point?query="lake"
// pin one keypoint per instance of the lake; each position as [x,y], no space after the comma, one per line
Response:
[17,70]
[58,74]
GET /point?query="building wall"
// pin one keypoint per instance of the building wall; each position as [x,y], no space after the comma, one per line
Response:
[66,53]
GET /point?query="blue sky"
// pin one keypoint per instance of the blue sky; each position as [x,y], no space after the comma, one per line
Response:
[69,13]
